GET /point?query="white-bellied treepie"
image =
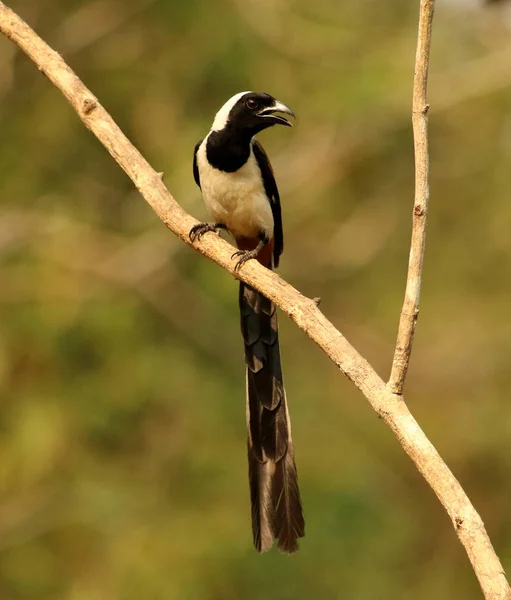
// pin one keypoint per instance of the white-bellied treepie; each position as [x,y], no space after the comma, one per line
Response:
[239,189]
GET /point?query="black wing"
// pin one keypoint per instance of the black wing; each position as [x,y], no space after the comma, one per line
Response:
[270,187]
[195,167]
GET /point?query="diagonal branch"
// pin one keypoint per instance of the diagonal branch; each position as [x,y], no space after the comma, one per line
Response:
[303,311]
[410,310]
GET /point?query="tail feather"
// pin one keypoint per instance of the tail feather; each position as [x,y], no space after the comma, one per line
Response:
[260,496]
[289,525]
[274,493]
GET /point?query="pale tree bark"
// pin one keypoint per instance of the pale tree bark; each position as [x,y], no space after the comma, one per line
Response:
[410,310]
[303,311]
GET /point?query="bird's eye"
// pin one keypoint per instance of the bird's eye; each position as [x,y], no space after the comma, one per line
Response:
[251,103]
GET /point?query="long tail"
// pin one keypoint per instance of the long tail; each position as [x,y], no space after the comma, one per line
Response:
[276,507]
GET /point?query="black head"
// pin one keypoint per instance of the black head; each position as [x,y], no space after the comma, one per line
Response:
[251,112]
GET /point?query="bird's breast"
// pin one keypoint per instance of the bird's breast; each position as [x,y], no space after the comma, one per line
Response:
[238,199]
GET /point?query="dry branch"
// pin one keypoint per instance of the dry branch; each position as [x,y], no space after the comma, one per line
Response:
[410,310]
[303,311]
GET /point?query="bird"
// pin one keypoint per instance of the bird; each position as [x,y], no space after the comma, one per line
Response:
[238,187]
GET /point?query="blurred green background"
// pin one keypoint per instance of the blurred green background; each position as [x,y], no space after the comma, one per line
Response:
[122,418]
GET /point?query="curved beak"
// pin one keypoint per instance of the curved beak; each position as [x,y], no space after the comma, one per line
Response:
[277,107]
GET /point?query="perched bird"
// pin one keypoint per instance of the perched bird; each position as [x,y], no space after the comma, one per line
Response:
[239,190]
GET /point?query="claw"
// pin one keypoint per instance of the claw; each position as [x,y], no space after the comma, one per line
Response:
[245,256]
[197,231]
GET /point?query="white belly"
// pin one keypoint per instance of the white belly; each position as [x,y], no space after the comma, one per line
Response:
[238,200]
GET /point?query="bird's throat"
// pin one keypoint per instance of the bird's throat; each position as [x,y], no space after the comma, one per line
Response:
[228,150]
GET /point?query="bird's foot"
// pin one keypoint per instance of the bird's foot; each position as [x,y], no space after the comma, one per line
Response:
[197,231]
[245,256]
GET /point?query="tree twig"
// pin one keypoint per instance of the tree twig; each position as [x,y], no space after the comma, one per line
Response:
[410,310]
[303,311]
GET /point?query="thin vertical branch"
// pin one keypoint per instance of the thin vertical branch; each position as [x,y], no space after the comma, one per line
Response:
[420,107]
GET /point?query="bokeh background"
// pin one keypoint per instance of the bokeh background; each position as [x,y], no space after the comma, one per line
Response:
[122,418]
